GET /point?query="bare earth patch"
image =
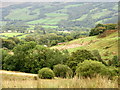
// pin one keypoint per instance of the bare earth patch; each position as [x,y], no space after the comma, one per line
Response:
[75,45]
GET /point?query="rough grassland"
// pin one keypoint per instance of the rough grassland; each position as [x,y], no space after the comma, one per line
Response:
[23,80]
[107,46]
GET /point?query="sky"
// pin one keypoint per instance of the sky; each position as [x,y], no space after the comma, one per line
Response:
[59,0]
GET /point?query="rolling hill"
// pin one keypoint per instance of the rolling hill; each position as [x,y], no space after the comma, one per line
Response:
[62,14]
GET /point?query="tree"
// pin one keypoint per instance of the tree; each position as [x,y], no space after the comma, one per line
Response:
[10,44]
[29,38]
[81,55]
[98,56]
[77,57]
[16,40]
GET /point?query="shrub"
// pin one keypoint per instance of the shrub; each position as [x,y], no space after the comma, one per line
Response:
[90,68]
[46,73]
[62,71]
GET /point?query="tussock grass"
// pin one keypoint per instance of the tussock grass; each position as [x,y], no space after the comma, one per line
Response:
[15,81]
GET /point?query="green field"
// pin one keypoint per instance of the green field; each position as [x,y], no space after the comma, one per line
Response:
[7,35]
[47,26]
[2,23]
[62,10]
[104,12]
[81,18]
[55,14]
[69,6]
[50,20]
[102,21]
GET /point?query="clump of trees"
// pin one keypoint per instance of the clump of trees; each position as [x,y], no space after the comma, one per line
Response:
[30,57]
[78,57]
[100,28]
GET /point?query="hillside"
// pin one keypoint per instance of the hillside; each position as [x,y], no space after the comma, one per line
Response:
[107,46]
[64,14]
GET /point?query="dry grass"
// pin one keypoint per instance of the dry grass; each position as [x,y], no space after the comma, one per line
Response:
[15,81]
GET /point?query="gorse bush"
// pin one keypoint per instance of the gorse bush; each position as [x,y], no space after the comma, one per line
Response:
[90,68]
[62,71]
[46,73]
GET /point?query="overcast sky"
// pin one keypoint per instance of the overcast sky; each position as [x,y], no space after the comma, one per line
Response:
[59,0]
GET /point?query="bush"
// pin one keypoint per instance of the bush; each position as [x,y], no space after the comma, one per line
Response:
[90,68]
[62,71]
[46,73]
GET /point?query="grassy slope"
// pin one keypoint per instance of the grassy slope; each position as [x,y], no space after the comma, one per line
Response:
[94,43]
[52,18]
[21,14]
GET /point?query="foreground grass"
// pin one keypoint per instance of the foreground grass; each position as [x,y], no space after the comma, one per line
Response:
[28,81]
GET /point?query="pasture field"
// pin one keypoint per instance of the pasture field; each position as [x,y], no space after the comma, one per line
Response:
[100,14]
[18,35]
[82,17]
[23,80]
[55,14]
[69,6]
[48,20]
[47,26]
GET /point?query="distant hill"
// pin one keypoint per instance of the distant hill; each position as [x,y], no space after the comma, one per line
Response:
[63,14]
